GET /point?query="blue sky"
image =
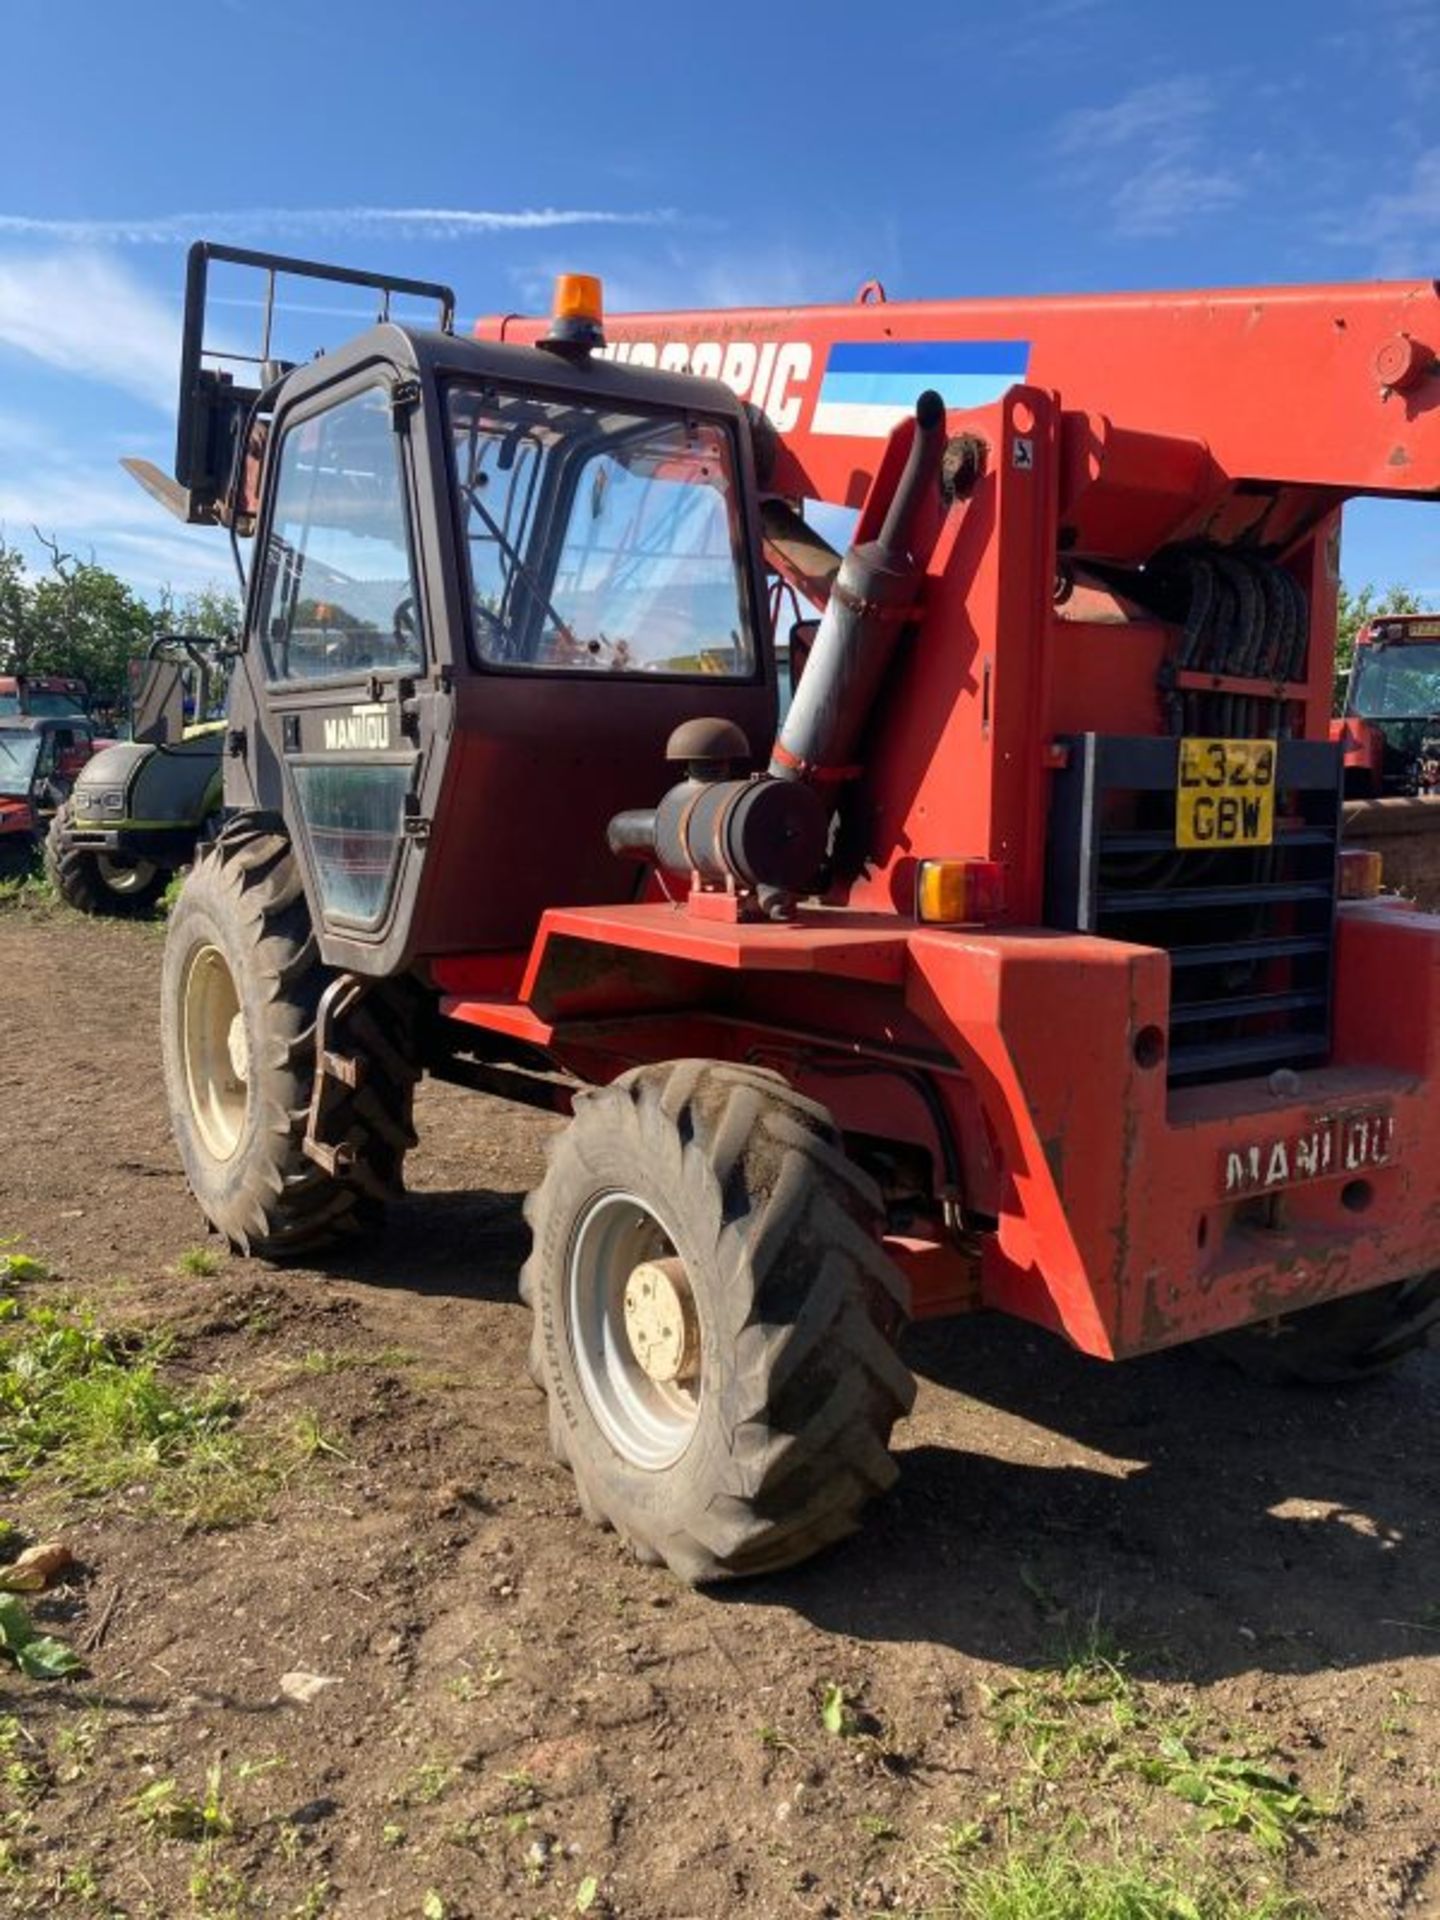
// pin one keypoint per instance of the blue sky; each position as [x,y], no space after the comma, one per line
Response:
[694,156]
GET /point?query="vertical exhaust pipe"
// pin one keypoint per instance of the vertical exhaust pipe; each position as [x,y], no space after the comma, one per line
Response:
[869,603]
[769,833]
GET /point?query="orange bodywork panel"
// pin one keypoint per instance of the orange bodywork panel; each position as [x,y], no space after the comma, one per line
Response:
[1127,1216]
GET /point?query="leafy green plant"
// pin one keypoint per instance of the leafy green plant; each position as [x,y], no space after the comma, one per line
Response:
[876,1826]
[427,1784]
[1235,1792]
[38,1655]
[17,1267]
[310,1439]
[837,1713]
[169,1814]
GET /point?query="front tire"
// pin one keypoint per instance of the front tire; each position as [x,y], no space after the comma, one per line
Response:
[1343,1341]
[714,1319]
[241,986]
[96,882]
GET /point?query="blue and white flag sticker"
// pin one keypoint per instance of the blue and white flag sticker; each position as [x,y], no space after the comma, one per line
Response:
[869,386]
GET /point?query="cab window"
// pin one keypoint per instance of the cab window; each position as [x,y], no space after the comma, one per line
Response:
[601,540]
[338,593]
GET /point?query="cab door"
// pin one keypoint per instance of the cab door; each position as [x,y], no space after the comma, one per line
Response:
[339,664]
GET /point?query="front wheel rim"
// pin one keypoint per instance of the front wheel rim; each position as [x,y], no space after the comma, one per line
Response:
[124,876]
[216,1051]
[650,1422]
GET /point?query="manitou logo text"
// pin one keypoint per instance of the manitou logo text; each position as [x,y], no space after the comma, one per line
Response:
[1347,1143]
[361,728]
[768,373]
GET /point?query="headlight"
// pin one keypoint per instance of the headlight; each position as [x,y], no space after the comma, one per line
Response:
[90,801]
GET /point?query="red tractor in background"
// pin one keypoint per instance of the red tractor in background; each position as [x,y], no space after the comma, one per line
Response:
[52,695]
[40,756]
[1390,733]
[1017,968]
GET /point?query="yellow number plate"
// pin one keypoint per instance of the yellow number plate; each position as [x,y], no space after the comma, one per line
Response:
[1225,793]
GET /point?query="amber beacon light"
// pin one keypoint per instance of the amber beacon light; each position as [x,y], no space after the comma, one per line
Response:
[576,315]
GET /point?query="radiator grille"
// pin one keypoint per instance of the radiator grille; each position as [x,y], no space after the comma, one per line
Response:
[1250,932]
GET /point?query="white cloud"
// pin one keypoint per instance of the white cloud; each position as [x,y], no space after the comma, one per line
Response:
[272,223]
[87,316]
[1148,152]
[1163,110]
[95,510]
[1164,195]
[690,278]
[1399,230]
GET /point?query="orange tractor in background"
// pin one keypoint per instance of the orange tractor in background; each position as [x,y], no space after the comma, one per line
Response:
[1018,966]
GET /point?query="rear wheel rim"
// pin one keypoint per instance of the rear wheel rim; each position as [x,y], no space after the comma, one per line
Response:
[124,876]
[216,1051]
[649,1422]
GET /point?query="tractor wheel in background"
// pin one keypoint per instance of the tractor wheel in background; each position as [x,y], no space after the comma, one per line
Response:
[714,1319]
[241,985]
[96,882]
[1343,1341]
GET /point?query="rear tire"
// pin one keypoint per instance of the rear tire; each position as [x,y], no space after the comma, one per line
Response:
[775,1435]
[242,982]
[1343,1341]
[95,882]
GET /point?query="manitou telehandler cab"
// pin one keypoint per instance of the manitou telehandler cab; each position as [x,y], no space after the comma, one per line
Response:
[1017,969]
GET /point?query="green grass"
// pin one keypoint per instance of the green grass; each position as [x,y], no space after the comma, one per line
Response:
[1052,1885]
[322,1360]
[202,1263]
[30,889]
[1083,1711]
[89,1410]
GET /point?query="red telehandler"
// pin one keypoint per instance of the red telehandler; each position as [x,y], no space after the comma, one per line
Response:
[1017,967]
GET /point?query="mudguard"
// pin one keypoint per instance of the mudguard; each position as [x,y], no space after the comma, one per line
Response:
[135,786]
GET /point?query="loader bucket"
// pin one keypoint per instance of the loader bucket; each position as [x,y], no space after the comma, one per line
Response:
[1405,832]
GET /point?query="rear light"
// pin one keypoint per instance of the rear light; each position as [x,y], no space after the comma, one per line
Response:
[959,892]
[1361,873]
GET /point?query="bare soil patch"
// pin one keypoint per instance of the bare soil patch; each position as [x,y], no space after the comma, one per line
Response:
[523,1721]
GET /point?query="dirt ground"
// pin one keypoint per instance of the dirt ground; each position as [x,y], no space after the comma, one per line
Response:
[523,1721]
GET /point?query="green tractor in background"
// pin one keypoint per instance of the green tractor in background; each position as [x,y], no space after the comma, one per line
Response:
[139,808]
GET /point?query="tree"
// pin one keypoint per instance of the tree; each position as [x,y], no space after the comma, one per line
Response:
[211,611]
[82,619]
[1353,611]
